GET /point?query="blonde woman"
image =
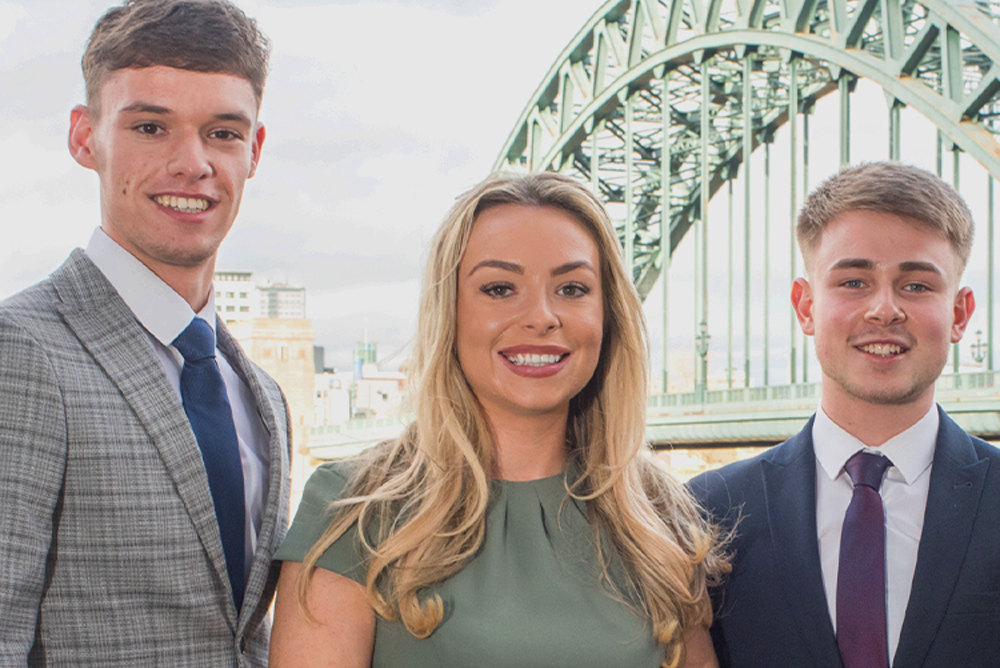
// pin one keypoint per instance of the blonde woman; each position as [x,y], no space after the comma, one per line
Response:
[519,520]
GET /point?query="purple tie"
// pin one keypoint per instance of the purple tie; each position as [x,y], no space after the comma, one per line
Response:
[861,622]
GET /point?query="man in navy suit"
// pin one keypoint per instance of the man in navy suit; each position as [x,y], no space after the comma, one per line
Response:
[885,246]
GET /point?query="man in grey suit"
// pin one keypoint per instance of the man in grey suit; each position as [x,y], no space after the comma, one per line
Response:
[870,539]
[140,503]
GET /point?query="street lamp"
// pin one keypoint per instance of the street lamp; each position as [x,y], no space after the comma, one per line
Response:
[703,339]
[979,348]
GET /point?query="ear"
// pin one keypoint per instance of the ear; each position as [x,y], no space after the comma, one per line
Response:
[258,140]
[965,304]
[81,132]
[802,302]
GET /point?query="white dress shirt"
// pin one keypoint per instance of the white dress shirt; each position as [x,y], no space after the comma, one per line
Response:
[904,494]
[164,314]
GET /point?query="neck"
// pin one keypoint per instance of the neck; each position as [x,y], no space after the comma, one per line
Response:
[874,424]
[193,284]
[529,448]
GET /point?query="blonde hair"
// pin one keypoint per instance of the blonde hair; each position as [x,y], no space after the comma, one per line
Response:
[420,502]
[887,187]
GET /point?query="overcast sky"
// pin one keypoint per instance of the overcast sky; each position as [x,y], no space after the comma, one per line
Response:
[378,114]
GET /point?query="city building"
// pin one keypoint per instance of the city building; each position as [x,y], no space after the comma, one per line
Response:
[235,295]
[356,409]
[279,300]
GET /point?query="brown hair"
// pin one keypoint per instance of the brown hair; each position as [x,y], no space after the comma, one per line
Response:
[887,187]
[197,35]
[437,472]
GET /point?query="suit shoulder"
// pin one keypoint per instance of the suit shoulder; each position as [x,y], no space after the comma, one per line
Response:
[727,489]
[737,473]
[984,448]
[31,306]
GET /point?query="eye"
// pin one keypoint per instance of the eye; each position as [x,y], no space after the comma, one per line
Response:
[916,287]
[148,129]
[497,290]
[574,290]
[853,284]
[226,135]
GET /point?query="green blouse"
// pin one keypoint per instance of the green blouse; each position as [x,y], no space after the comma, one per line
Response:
[531,597]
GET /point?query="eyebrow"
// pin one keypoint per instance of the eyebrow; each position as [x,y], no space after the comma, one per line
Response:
[146,108]
[853,263]
[869,265]
[916,265]
[518,269]
[498,264]
[572,266]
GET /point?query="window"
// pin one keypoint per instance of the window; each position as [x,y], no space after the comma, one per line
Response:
[229,295]
[230,309]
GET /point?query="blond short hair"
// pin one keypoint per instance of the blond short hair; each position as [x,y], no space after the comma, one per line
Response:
[893,188]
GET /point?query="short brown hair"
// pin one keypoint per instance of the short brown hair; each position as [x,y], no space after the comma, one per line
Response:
[198,35]
[887,187]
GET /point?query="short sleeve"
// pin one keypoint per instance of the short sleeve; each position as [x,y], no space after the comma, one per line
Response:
[324,487]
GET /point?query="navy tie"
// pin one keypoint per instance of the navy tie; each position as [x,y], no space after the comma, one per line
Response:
[206,403]
[861,616]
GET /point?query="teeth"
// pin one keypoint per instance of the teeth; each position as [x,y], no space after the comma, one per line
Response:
[532,360]
[883,349]
[183,204]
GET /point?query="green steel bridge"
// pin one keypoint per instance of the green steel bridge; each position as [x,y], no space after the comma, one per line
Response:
[703,125]
[663,106]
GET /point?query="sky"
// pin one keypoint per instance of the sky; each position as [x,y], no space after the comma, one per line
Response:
[378,115]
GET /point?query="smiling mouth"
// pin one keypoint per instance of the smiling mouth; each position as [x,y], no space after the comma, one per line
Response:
[534,360]
[183,204]
[882,349]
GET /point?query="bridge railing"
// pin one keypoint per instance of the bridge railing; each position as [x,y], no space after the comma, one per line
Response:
[725,416]
[712,399]
[764,415]
[956,383]
[949,387]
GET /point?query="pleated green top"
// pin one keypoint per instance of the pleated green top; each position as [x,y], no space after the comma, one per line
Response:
[531,597]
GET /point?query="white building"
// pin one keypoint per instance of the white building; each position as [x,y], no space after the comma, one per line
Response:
[235,295]
[237,298]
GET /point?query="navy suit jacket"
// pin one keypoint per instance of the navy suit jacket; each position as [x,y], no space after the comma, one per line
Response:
[771,611]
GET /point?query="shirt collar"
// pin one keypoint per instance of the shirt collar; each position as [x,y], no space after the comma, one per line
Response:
[911,451]
[157,307]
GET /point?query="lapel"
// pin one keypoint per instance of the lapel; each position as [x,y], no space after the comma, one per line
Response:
[789,478]
[271,408]
[957,477]
[107,328]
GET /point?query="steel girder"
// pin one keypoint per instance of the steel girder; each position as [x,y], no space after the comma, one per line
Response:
[639,71]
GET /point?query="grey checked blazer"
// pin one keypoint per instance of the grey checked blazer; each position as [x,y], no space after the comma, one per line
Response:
[110,552]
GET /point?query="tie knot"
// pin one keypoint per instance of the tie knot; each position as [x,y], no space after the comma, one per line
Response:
[197,341]
[867,468]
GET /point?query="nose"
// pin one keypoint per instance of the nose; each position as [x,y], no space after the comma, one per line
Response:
[884,307]
[540,316]
[189,159]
